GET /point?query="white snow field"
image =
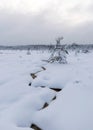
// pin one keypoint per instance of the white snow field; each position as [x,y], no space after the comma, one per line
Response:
[22,105]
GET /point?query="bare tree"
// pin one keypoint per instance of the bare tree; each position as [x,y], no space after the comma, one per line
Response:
[59,53]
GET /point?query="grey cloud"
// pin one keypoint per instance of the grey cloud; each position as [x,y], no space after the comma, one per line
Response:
[82,34]
[35,29]
[26,29]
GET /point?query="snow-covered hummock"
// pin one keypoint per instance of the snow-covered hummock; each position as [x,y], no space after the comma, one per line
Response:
[21,105]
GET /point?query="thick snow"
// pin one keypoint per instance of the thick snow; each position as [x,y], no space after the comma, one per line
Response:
[21,105]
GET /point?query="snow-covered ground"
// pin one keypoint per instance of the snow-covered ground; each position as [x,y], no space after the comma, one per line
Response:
[22,105]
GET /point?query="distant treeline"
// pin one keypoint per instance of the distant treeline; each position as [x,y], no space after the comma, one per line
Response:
[47,47]
[26,47]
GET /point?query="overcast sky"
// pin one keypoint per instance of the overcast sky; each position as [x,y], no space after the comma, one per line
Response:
[42,21]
